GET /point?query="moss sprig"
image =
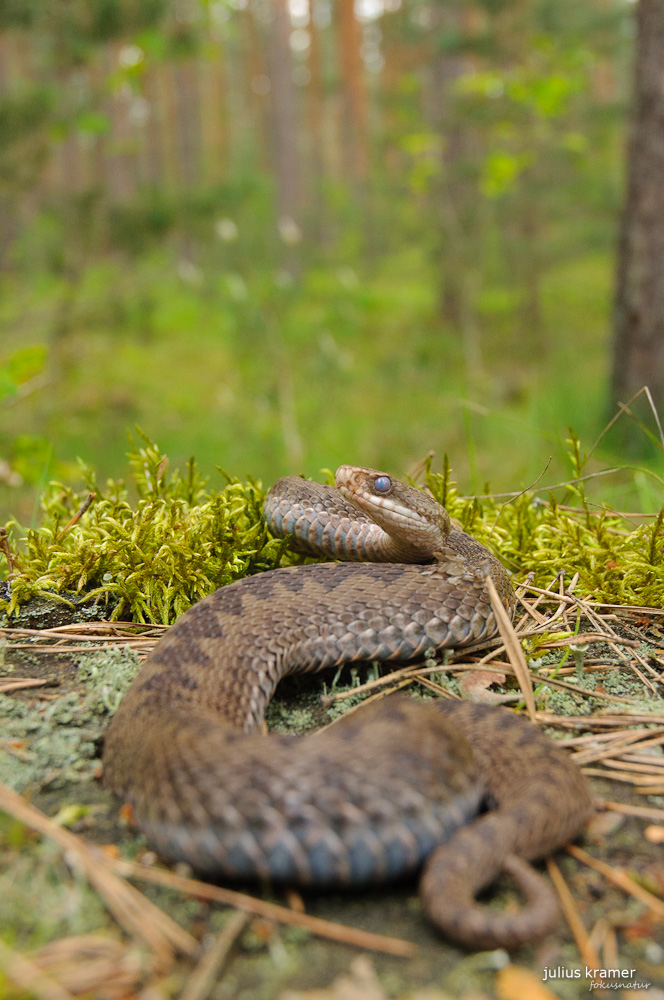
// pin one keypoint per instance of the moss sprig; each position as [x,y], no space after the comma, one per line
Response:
[152,559]
[154,547]
[538,536]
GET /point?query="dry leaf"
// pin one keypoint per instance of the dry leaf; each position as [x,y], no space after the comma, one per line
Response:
[516,983]
[126,814]
[655,834]
[474,686]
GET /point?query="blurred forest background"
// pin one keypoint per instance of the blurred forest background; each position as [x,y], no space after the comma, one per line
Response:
[284,234]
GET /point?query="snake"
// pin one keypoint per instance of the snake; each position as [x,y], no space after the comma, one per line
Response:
[456,792]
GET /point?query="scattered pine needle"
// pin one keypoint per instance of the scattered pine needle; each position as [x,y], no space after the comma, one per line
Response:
[138,916]
[551,619]
[647,784]
[621,879]
[272,911]
[646,812]
[618,742]
[97,965]
[513,648]
[20,683]
[583,943]
[25,974]
[202,980]
[77,516]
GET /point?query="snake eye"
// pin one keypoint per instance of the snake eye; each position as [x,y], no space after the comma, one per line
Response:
[382,484]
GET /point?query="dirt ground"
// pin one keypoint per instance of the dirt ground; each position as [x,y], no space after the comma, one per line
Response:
[50,752]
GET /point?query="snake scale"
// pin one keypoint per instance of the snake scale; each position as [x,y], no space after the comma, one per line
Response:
[461,791]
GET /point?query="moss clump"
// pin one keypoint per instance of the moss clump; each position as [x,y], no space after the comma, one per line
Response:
[534,536]
[151,559]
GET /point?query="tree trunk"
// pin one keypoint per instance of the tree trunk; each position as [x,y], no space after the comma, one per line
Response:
[153,155]
[456,194]
[638,353]
[120,149]
[354,90]
[7,209]
[187,121]
[285,135]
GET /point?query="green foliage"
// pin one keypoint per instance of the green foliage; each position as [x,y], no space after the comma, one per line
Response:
[530,116]
[152,559]
[179,541]
[83,22]
[25,112]
[180,306]
[546,539]
[19,368]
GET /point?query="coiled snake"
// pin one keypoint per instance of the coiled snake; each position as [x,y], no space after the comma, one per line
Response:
[384,792]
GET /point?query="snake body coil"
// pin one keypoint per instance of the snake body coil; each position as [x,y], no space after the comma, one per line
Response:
[389,789]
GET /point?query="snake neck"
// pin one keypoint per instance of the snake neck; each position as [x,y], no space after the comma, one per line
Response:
[326,524]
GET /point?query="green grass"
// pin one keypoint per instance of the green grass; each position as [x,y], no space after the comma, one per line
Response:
[243,369]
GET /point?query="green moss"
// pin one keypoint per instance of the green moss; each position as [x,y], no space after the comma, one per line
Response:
[537,537]
[152,557]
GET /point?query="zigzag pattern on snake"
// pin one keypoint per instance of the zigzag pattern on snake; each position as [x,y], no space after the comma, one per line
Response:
[460,791]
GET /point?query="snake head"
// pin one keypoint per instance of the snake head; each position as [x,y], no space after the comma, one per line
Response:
[404,512]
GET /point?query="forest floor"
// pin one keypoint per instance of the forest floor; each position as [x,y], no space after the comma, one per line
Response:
[72,926]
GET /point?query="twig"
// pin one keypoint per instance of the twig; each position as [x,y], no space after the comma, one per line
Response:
[516,497]
[600,721]
[29,977]
[625,408]
[648,784]
[547,489]
[92,632]
[583,637]
[531,610]
[77,516]
[513,648]
[586,692]
[27,682]
[141,646]
[376,696]
[130,908]
[646,812]
[203,978]
[588,953]
[5,548]
[250,904]
[638,768]
[406,673]
[621,879]
[617,744]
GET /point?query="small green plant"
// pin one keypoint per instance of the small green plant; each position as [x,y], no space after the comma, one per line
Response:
[149,560]
[545,538]
[152,557]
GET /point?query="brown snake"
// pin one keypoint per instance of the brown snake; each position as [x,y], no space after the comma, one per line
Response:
[383,792]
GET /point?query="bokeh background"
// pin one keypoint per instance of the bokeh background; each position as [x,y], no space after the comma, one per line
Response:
[284,234]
